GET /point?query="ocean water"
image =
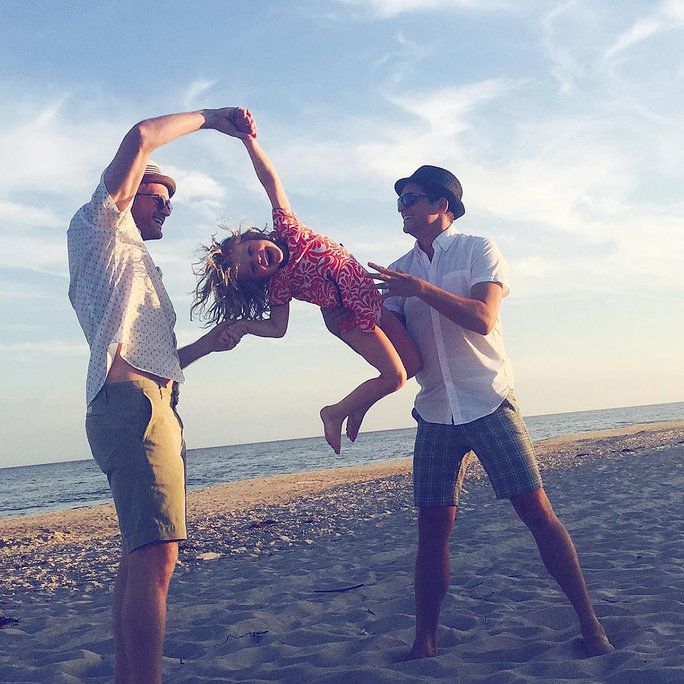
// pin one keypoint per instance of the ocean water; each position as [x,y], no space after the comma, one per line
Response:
[34,489]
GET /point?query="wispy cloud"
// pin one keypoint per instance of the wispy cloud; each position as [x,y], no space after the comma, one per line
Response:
[46,148]
[392,8]
[192,92]
[34,252]
[445,110]
[668,16]
[28,215]
[32,350]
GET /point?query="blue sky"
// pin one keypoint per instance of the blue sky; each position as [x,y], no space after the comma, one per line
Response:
[562,120]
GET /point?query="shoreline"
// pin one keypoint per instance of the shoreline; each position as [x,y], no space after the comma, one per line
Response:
[552,452]
[80,547]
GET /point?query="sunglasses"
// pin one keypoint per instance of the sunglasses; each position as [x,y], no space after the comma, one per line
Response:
[408,199]
[162,202]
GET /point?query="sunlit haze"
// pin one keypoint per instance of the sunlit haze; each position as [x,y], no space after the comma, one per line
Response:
[562,121]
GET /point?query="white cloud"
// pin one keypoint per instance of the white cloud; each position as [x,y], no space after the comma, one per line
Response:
[445,110]
[392,8]
[196,89]
[640,31]
[195,185]
[18,214]
[47,254]
[670,15]
[41,350]
[46,149]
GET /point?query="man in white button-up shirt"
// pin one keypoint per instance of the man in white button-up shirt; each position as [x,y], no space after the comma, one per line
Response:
[133,429]
[447,291]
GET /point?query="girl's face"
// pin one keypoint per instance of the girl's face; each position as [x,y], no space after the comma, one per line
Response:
[257,259]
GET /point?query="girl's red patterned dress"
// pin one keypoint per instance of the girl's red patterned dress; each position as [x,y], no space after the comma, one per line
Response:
[322,272]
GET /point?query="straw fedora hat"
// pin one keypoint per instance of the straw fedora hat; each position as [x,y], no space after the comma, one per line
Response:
[154,175]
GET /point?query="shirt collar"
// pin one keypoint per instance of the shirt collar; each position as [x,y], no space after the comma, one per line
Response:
[443,241]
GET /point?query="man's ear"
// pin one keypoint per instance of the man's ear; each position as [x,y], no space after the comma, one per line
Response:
[442,205]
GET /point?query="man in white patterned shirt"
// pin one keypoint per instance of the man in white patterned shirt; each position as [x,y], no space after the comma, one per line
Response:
[447,291]
[133,429]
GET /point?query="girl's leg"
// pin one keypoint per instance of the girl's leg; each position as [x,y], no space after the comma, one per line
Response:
[410,358]
[377,349]
[402,342]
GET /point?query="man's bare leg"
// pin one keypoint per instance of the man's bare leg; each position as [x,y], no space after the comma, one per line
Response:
[432,576]
[120,657]
[142,612]
[560,559]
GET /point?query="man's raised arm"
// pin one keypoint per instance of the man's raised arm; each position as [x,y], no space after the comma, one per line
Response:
[123,175]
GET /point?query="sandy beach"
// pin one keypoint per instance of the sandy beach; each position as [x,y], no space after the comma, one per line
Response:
[309,577]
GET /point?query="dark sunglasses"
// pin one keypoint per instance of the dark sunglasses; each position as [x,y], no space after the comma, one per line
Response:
[408,199]
[162,202]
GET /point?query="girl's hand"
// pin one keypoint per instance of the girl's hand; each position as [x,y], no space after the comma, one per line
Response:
[237,329]
[244,124]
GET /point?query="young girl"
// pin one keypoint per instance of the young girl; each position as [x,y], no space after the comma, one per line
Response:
[250,274]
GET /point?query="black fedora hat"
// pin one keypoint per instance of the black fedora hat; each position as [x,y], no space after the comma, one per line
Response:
[438,180]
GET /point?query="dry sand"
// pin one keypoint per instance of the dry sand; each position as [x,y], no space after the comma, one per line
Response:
[253,600]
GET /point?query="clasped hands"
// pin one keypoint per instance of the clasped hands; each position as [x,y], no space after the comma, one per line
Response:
[234,121]
[225,335]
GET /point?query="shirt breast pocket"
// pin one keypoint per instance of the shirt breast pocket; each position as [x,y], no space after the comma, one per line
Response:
[457,282]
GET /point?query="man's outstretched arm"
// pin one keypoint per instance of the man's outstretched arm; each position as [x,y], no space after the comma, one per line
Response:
[126,170]
[219,338]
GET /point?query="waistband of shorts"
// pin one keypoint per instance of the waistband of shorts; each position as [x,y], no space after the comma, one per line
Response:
[166,393]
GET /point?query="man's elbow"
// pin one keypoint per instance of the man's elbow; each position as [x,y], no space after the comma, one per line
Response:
[485,325]
[142,136]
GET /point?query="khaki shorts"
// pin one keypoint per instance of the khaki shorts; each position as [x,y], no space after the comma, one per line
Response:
[136,438]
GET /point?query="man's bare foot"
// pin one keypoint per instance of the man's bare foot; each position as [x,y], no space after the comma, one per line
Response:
[596,642]
[419,651]
[354,423]
[332,427]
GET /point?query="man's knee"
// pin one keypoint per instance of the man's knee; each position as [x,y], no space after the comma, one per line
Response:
[157,561]
[435,525]
[535,510]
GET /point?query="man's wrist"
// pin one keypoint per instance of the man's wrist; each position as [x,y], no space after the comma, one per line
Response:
[423,288]
[209,116]
[206,343]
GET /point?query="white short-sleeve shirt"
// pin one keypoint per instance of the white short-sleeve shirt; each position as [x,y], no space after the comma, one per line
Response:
[465,375]
[118,294]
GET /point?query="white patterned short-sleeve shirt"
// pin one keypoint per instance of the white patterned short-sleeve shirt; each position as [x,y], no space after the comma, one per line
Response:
[118,294]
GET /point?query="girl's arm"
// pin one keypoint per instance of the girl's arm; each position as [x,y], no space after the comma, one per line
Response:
[266,174]
[274,326]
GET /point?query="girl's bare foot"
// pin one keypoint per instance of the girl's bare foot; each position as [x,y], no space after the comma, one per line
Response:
[332,427]
[354,423]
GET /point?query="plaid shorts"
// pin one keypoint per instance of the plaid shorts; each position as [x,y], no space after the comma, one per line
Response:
[501,443]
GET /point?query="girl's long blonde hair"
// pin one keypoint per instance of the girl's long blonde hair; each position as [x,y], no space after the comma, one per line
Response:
[220,294]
